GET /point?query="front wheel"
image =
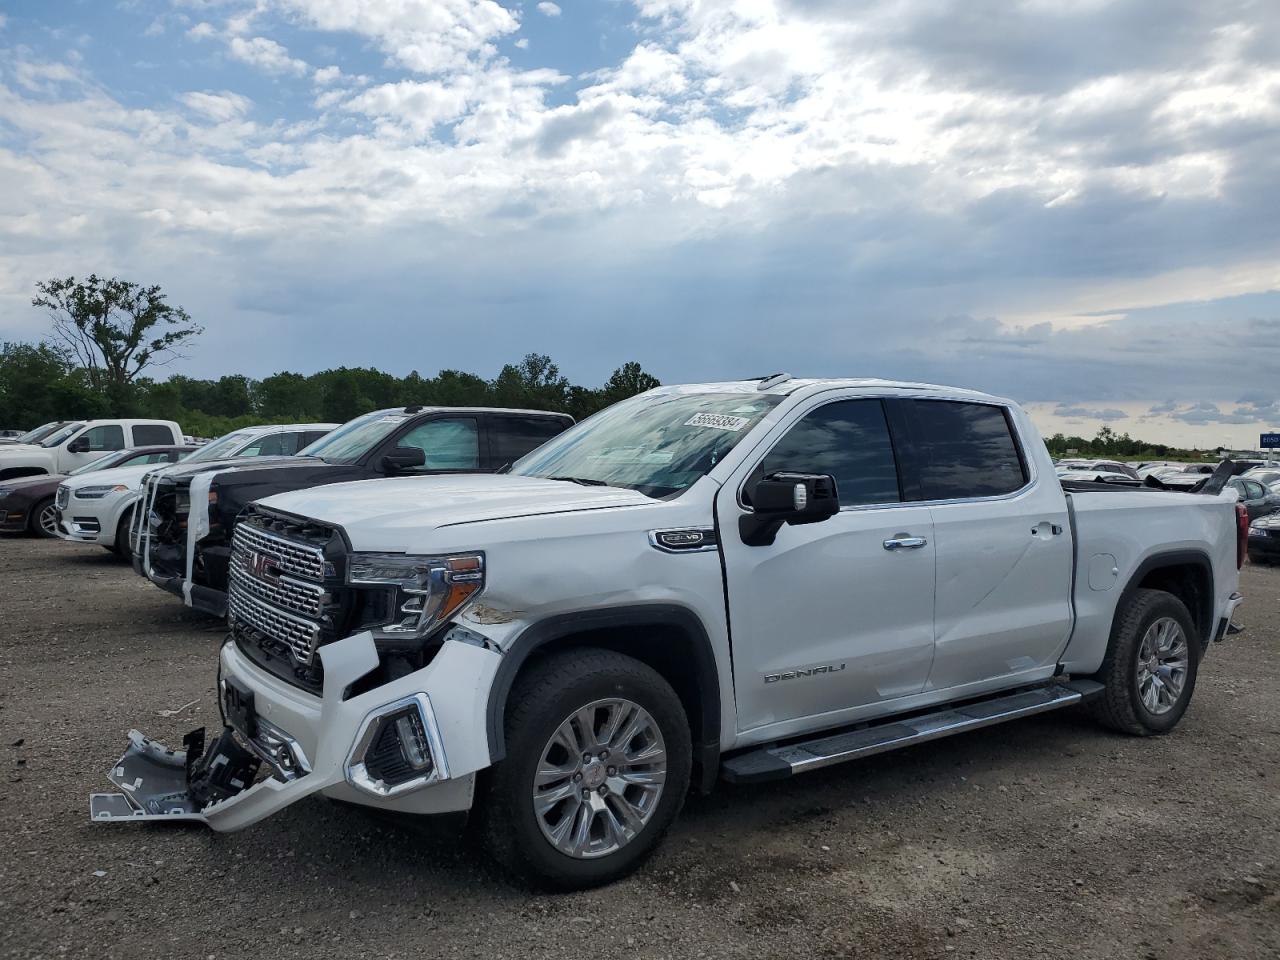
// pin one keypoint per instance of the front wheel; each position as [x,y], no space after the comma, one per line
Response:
[597,767]
[1151,665]
[121,547]
[44,519]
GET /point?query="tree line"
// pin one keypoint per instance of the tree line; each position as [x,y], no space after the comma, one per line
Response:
[40,382]
[1109,445]
[108,334]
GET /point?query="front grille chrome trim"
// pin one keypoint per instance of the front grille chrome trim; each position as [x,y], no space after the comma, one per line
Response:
[293,595]
[290,556]
[299,635]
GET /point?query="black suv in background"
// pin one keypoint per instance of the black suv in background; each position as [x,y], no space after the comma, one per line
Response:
[182,538]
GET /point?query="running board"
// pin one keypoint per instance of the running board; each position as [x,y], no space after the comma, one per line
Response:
[779,761]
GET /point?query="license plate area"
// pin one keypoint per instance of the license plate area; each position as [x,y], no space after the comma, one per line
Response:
[237,704]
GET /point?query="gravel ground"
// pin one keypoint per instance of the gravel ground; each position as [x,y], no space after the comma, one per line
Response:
[1043,838]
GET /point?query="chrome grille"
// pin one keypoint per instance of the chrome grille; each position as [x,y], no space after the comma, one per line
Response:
[288,555]
[298,634]
[304,598]
[63,497]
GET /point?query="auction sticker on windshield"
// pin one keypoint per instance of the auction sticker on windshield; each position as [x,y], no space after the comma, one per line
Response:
[718,421]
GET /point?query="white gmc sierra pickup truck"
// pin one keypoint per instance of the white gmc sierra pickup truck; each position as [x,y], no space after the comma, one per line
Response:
[749,580]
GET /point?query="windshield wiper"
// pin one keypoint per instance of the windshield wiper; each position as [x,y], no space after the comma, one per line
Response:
[584,481]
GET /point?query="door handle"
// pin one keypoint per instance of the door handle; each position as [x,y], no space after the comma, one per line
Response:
[905,543]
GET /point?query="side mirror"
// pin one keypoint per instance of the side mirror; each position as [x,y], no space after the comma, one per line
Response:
[793,498]
[404,458]
[78,445]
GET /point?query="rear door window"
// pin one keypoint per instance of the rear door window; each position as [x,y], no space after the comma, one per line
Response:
[448,444]
[151,435]
[511,437]
[957,450]
[847,439]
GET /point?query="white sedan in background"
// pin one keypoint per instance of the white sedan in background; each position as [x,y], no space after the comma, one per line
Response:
[97,507]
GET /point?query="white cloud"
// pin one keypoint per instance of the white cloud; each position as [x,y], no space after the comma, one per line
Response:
[523,43]
[327,75]
[427,36]
[265,54]
[928,201]
[549,9]
[219,107]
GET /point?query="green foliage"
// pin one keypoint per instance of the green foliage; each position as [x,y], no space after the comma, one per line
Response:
[114,329]
[41,383]
[1107,444]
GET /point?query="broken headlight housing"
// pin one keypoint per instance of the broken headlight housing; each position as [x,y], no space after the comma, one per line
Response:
[425,591]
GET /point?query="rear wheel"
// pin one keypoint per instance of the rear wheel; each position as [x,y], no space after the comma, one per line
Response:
[43,521]
[597,767]
[1151,665]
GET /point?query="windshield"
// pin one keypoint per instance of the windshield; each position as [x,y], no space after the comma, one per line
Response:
[222,448]
[355,438]
[658,444]
[93,465]
[57,437]
[40,432]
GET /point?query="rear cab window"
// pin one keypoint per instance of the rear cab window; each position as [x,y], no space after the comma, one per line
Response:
[957,450]
[511,436]
[152,435]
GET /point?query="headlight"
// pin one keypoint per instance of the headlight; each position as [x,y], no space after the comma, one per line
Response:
[97,493]
[5,491]
[428,590]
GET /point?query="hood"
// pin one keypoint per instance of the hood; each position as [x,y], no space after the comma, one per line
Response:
[21,449]
[379,508]
[26,484]
[180,470]
[129,476]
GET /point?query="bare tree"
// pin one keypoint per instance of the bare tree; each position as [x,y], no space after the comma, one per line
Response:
[114,328]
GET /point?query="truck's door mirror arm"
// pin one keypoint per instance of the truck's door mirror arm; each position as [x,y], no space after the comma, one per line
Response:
[793,498]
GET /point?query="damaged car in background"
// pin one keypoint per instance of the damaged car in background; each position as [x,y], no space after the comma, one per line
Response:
[191,513]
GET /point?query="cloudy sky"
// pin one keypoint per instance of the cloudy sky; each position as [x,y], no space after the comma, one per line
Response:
[1072,202]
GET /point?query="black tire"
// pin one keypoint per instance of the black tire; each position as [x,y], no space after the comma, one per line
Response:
[540,700]
[33,519]
[1121,706]
[121,548]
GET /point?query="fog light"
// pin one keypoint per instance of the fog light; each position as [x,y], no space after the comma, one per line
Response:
[413,742]
[398,749]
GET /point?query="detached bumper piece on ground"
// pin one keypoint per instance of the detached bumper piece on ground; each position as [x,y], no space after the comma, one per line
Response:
[157,783]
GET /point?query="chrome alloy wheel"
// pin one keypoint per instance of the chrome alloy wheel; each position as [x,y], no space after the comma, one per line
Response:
[1163,658]
[48,521]
[599,778]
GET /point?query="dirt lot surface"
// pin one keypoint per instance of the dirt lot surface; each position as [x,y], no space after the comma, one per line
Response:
[1044,838]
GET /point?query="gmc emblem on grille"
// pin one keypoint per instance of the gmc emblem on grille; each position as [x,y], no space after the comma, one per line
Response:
[263,567]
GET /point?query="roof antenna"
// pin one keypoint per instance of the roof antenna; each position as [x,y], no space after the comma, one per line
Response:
[773,380]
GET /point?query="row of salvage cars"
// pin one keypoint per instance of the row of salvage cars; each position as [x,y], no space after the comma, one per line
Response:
[1256,481]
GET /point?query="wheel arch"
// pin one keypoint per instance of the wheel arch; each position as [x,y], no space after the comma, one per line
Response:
[1188,575]
[669,638]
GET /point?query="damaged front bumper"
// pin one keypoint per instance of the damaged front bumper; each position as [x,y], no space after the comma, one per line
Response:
[281,744]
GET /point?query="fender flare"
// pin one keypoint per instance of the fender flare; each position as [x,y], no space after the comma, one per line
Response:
[1176,558]
[543,632]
